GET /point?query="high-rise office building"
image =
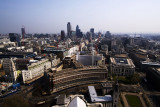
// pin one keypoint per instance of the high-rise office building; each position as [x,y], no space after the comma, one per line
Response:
[23,34]
[15,38]
[23,31]
[69,29]
[77,28]
[79,34]
[62,35]
[108,34]
[89,36]
[92,30]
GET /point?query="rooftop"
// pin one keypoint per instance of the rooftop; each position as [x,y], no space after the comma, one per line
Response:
[142,50]
[4,85]
[158,69]
[77,102]
[122,62]
[95,98]
[150,63]
[54,49]
[121,55]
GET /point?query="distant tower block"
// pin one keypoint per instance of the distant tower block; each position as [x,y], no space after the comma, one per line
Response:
[23,33]
[62,35]
[92,30]
[23,30]
[69,29]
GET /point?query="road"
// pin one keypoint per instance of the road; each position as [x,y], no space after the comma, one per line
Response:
[149,90]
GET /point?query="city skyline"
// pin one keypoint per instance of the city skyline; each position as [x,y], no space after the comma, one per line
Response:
[49,16]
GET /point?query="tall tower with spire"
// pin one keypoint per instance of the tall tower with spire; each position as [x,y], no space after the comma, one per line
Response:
[116,95]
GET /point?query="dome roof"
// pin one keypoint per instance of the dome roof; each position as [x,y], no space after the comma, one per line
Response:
[77,102]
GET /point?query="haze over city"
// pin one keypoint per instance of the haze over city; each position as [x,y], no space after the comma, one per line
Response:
[79,53]
[51,16]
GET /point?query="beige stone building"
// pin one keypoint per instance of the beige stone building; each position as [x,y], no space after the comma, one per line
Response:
[122,66]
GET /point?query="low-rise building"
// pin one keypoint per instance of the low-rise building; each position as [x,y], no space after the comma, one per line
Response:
[122,66]
[147,64]
[105,100]
[153,77]
[61,53]
[10,69]
[69,78]
[91,60]
[37,68]
[73,50]
[71,101]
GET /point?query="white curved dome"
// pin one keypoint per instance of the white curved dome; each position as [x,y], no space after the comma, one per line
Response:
[77,102]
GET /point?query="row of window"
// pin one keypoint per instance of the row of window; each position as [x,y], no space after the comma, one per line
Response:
[70,73]
[123,70]
[35,72]
[77,82]
[38,64]
[80,77]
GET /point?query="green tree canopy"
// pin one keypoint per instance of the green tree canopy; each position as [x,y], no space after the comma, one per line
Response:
[15,101]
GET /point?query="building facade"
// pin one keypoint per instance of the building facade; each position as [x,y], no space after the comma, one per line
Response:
[15,38]
[37,69]
[10,69]
[62,35]
[153,77]
[122,66]
[69,78]
[69,29]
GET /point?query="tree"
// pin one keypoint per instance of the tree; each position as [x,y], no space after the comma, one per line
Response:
[134,79]
[15,101]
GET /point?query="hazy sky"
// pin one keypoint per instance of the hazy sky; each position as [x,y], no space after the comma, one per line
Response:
[51,16]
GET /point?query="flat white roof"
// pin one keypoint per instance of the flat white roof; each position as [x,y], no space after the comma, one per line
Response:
[33,61]
[92,91]
[150,63]
[95,98]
